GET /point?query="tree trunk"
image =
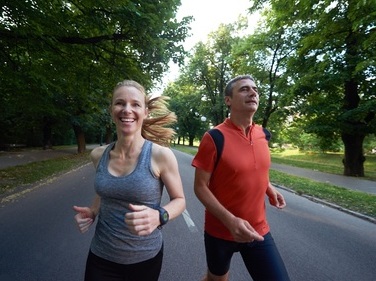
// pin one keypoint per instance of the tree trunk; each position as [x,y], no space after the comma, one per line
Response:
[108,136]
[354,158]
[47,133]
[80,138]
[352,131]
[190,140]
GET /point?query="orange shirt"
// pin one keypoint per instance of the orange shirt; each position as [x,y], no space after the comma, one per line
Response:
[241,178]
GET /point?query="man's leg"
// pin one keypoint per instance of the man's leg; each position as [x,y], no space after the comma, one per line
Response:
[263,260]
[218,257]
[212,277]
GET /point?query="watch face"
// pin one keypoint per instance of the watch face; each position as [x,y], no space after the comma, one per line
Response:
[163,216]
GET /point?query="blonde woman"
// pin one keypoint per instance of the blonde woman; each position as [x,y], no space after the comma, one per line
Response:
[130,175]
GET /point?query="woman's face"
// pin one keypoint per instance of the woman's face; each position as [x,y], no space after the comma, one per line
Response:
[128,109]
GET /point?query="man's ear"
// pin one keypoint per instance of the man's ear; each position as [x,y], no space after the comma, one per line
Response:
[228,100]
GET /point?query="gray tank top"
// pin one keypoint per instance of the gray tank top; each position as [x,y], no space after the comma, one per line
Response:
[112,239]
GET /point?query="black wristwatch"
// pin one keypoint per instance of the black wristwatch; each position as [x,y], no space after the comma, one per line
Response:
[163,215]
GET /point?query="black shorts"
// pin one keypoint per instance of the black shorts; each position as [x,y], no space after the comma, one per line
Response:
[261,258]
[99,269]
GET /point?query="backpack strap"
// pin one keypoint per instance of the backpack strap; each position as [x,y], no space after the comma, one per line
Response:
[218,139]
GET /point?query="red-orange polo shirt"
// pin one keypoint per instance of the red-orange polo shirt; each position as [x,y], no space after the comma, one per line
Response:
[241,177]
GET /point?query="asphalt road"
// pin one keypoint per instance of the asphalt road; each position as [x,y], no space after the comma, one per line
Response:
[39,240]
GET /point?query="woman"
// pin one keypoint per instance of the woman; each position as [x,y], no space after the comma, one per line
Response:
[130,175]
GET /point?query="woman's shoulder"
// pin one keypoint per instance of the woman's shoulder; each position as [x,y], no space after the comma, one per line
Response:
[97,153]
[160,152]
[159,149]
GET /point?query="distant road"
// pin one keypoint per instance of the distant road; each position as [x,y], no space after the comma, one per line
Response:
[25,156]
[353,183]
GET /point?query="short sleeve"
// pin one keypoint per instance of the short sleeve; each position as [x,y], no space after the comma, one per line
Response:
[206,154]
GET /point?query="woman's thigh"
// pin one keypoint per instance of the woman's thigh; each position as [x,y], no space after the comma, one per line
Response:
[98,269]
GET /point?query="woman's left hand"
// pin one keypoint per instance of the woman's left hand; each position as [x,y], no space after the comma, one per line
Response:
[143,220]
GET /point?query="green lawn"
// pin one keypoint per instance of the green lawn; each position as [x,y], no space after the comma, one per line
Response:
[323,162]
[330,163]
[23,175]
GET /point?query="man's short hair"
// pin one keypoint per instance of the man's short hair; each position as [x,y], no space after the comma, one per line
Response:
[230,84]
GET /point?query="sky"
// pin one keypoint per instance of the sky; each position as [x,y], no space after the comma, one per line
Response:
[208,15]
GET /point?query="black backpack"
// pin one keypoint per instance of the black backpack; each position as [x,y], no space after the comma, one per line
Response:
[219,140]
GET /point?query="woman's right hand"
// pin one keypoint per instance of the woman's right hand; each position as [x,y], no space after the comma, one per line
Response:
[84,218]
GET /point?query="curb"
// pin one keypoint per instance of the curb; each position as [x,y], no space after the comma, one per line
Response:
[332,205]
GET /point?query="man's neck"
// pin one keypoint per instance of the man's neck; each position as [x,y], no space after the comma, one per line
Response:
[242,122]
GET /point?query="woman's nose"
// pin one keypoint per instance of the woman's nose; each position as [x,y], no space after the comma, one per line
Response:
[126,108]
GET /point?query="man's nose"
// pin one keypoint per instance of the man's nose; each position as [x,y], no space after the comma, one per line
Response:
[252,93]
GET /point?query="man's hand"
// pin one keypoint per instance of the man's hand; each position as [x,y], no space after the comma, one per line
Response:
[276,199]
[243,232]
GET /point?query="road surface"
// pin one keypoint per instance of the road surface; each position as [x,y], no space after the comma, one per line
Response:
[40,242]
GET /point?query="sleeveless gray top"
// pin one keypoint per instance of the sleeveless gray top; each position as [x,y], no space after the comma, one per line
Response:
[112,239]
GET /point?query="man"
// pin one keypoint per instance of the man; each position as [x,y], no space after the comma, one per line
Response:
[233,190]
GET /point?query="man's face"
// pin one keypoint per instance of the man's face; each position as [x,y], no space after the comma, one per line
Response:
[245,97]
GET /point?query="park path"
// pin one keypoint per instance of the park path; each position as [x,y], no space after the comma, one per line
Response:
[24,156]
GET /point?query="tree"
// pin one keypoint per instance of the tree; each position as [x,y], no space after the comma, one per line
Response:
[209,69]
[264,55]
[185,102]
[334,67]
[66,56]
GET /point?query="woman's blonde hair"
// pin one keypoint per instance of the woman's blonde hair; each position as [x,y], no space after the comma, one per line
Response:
[155,126]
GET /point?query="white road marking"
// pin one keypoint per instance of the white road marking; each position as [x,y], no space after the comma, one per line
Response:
[191,225]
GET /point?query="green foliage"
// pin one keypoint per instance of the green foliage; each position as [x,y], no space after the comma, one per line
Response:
[61,59]
[330,69]
[185,102]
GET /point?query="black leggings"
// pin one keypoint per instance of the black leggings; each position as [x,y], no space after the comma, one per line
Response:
[262,259]
[98,269]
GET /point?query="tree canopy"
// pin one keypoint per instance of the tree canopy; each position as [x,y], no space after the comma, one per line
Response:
[314,63]
[61,59]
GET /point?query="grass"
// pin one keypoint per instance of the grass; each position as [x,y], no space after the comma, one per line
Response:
[323,162]
[24,175]
[330,163]
[353,200]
